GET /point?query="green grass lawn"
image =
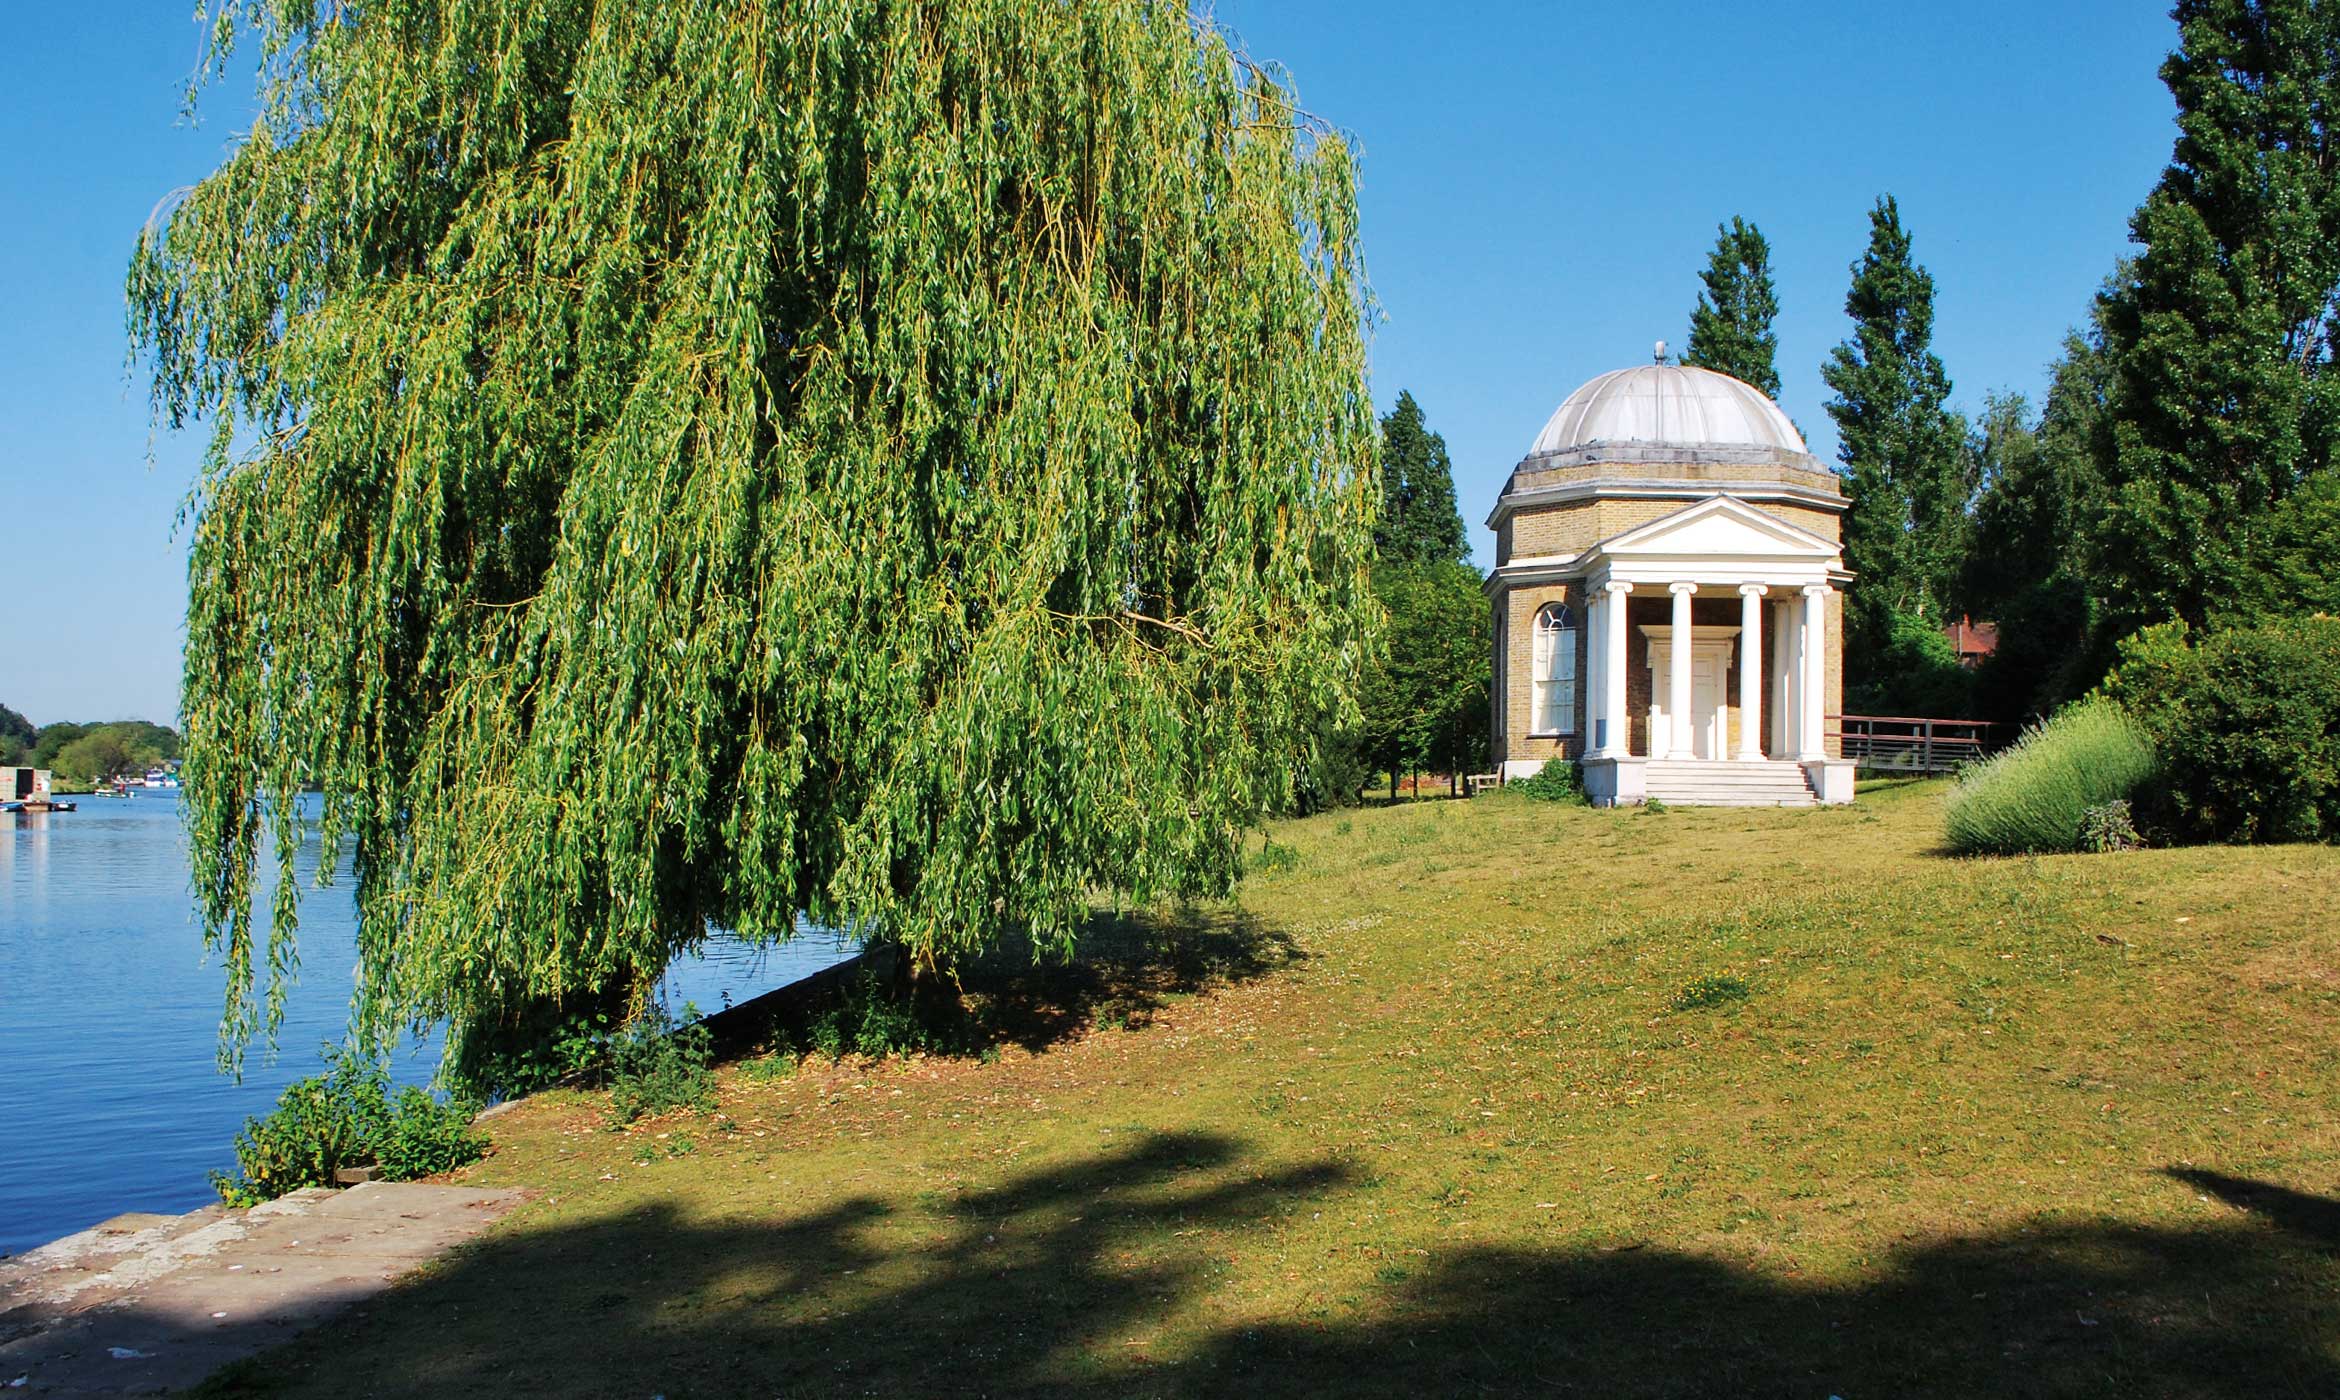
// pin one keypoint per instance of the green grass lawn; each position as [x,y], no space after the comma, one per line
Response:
[1495,1097]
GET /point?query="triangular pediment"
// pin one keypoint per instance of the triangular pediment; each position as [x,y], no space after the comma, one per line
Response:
[1718,528]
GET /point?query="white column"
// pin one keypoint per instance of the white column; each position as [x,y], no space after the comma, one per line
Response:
[1620,736]
[1590,690]
[1751,671]
[1812,705]
[1678,690]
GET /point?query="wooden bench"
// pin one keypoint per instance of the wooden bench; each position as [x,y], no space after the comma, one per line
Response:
[1480,782]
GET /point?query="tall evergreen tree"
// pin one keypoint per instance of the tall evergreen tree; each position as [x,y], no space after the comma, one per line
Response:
[1906,467]
[1425,701]
[891,462]
[1420,522]
[1730,328]
[2223,404]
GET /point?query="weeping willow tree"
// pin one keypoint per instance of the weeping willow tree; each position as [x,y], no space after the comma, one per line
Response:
[720,462]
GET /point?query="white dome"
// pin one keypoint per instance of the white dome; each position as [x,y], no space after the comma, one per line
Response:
[1669,406]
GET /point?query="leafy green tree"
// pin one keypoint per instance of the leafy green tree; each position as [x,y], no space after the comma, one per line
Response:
[1427,701]
[1425,696]
[2039,494]
[99,756]
[17,727]
[902,463]
[1420,523]
[1906,467]
[1730,328]
[2296,566]
[2220,332]
[52,741]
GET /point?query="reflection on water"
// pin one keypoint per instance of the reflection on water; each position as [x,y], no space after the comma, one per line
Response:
[109,1009]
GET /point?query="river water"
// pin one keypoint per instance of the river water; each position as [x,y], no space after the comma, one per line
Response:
[110,1098]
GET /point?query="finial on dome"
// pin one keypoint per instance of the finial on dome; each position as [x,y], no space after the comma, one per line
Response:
[1660,356]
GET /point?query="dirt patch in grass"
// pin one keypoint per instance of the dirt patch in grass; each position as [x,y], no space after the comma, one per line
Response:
[1427,1112]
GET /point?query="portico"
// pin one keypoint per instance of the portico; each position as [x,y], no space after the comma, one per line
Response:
[1707,679]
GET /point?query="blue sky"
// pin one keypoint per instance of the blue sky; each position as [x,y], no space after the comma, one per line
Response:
[1541,184]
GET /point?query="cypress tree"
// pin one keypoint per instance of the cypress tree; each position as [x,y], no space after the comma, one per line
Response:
[1730,328]
[1425,699]
[1904,461]
[2220,331]
[896,463]
[1420,522]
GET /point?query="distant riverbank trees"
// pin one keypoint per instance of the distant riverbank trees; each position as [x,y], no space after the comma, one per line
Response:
[902,465]
[81,754]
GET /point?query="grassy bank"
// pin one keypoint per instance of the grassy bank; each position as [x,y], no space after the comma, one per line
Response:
[1496,1096]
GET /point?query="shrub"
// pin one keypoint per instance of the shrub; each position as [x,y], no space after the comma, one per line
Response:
[2036,795]
[2110,827]
[872,1021]
[344,1118]
[321,1124]
[533,1048]
[657,1066]
[2248,722]
[426,1136]
[1557,781]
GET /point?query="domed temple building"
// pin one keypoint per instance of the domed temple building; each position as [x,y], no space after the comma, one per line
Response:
[1667,597]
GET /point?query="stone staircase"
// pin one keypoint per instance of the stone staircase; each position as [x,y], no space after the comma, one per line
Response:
[1729,783]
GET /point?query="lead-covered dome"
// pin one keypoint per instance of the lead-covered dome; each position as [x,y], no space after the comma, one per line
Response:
[1674,409]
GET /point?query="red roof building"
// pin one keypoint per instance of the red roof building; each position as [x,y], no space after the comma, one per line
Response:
[1972,640]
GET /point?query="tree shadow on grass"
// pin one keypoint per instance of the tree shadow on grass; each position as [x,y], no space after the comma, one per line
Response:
[1127,968]
[1053,1284]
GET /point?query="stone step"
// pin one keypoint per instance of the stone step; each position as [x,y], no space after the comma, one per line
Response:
[1729,783]
[1758,779]
[1696,780]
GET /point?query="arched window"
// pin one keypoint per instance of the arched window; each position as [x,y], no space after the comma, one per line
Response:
[1554,672]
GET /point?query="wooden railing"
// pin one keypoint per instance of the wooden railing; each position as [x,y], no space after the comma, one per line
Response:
[1913,744]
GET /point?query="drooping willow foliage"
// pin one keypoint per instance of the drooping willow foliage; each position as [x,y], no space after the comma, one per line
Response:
[900,463]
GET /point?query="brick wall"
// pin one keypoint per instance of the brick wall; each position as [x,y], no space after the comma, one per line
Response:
[1515,672]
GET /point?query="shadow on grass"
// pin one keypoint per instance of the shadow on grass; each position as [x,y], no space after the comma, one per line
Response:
[1052,1284]
[1127,968]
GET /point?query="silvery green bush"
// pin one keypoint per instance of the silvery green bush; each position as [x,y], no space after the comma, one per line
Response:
[2036,795]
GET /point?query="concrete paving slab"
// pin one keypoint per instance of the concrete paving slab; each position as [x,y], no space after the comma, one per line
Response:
[149,1305]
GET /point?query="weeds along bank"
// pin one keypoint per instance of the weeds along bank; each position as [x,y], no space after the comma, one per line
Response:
[1630,1084]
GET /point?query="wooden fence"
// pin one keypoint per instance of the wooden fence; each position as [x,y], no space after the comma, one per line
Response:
[1913,744]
